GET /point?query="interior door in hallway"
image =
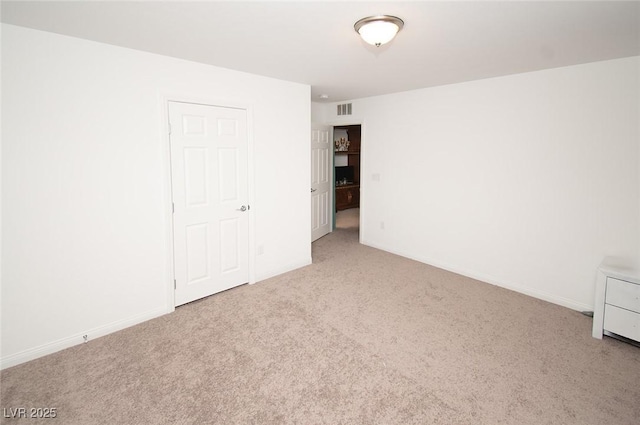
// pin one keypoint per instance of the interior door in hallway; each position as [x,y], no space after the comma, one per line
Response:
[321,179]
[209,167]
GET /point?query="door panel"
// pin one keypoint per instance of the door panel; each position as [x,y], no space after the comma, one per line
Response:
[197,245]
[228,174]
[195,184]
[209,186]
[321,181]
[229,249]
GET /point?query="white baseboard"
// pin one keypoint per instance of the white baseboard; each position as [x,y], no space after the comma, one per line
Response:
[545,296]
[280,270]
[77,339]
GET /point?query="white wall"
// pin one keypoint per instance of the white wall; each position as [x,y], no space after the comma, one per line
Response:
[318,112]
[86,203]
[525,181]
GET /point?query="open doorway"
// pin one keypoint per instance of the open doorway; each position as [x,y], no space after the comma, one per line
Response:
[347,147]
[348,219]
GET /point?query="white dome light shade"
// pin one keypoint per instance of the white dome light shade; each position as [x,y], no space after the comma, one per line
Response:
[378,30]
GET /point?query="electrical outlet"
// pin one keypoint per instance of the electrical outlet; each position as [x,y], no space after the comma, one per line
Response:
[260,250]
[382,225]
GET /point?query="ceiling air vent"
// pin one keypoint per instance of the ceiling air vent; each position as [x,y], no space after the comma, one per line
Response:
[344,109]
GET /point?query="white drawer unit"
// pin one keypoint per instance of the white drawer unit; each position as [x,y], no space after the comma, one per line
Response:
[623,294]
[617,306]
[622,322]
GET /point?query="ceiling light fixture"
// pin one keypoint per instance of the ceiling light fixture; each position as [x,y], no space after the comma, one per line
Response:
[378,30]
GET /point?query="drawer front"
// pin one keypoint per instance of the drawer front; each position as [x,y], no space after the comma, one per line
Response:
[622,322]
[623,294]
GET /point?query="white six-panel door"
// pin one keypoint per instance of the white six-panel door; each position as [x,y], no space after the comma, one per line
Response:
[209,187]
[321,181]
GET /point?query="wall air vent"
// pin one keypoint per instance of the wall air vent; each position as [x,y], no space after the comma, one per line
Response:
[344,109]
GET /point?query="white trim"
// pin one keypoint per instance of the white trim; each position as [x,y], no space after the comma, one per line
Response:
[77,339]
[541,295]
[251,194]
[245,105]
[170,302]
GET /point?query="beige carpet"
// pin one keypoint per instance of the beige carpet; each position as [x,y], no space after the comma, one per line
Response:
[359,337]
[348,219]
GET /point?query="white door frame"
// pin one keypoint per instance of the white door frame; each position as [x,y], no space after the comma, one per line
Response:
[363,181]
[164,99]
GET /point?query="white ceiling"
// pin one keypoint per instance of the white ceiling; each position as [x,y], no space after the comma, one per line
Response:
[313,42]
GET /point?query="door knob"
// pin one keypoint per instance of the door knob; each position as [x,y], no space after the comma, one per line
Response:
[242,208]
[313,190]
